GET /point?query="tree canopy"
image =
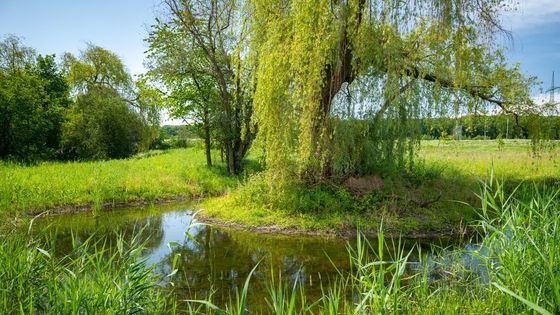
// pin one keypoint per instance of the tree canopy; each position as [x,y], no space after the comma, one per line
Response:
[197,51]
[33,99]
[113,116]
[341,84]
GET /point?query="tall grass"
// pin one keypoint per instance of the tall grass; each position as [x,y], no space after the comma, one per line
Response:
[517,268]
[91,279]
[522,231]
[172,174]
[517,272]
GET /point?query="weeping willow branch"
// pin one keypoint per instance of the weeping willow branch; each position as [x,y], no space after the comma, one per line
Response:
[308,50]
[471,90]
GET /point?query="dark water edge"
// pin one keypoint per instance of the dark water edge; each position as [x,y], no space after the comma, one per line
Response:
[216,261]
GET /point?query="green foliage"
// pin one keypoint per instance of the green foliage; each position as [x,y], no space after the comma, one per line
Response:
[101,125]
[422,199]
[485,127]
[33,100]
[205,73]
[500,141]
[96,66]
[514,269]
[522,232]
[91,278]
[342,84]
[296,197]
[444,137]
[111,117]
[175,137]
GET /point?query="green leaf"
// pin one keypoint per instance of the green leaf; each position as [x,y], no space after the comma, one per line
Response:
[532,305]
[44,252]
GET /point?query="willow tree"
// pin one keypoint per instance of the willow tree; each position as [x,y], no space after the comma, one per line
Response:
[112,116]
[342,83]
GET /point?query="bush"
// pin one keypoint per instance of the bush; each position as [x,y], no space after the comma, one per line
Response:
[102,126]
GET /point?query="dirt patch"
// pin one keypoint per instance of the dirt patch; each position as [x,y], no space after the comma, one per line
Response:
[360,186]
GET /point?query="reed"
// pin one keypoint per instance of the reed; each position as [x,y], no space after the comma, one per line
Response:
[517,271]
[94,278]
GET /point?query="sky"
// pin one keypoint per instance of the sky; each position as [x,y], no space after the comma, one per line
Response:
[536,41]
[59,26]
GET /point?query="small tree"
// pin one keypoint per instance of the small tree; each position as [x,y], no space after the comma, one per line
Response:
[190,92]
[213,33]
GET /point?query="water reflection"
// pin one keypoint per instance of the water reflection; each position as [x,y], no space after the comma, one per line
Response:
[218,261]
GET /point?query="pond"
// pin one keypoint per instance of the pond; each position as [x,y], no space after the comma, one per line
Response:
[215,260]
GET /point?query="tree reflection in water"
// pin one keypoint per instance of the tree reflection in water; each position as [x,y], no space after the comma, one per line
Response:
[218,261]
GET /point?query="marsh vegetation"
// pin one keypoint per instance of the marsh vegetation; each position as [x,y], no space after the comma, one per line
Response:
[394,154]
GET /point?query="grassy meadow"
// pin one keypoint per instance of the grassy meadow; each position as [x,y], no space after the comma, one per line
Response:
[157,176]
[435,198]
[513,160]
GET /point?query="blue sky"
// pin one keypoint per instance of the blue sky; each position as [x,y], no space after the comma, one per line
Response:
[536,40]
[58,26]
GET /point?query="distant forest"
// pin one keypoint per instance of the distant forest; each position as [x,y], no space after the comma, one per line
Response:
[479,127]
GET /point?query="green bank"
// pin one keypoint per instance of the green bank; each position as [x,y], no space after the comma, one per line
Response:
[153,177]
[436,198]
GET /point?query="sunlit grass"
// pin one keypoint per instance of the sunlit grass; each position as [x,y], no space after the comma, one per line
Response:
[172,174]
[93,278]
[516,160]
[451,170]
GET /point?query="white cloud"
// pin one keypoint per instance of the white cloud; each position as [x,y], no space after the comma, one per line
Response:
[543,105]
[541,98]
[532,13]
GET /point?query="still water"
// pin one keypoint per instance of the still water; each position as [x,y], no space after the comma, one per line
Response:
[215,260]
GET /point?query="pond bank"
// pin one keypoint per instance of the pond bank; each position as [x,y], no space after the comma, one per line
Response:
[273,229]
[423,203]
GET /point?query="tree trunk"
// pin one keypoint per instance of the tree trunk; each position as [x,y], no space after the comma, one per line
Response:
[231,162]
[207,142]
[335,76]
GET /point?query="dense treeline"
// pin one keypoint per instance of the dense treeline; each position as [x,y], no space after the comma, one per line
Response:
[491,127]
[85,107]
[33,99]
